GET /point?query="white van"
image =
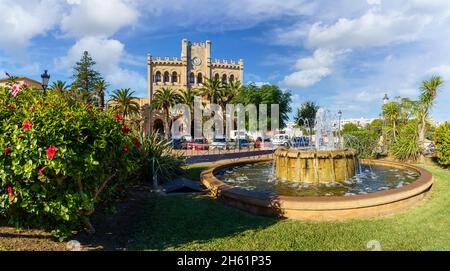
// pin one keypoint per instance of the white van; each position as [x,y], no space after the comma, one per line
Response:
[281,140]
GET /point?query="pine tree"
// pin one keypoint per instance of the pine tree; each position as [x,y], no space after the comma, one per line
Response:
[84,75]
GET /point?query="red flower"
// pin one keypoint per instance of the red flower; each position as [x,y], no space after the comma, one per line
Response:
[6,150]
[126,148]
[11,194]
[125,129]
[118,117]
[25,85]
[27,125]
[68,114]
[136,143]
[51,152]
[41,171]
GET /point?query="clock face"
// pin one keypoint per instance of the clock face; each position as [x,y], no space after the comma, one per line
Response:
[196,61]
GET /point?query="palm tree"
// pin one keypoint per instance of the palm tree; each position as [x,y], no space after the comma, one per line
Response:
[212,89]
[188,96]
[164,99]
[391,112]
[123,102]
[424,104]
[100,89]
[232,89]
[60,86]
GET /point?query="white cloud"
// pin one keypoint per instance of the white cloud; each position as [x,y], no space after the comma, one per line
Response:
[371,29]
[109,55]
[20,21]
[311,70]
[98,17]
[442,70]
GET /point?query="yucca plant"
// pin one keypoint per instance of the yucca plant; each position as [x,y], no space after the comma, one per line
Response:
[156,160]
[406,147]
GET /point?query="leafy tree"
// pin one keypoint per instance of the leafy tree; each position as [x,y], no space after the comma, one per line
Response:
[266,94]
[306,115]
[442,141]
[376,125]
[85,76]
[364,141]
[123,102]
[349,127]
[164,99]
[429,89]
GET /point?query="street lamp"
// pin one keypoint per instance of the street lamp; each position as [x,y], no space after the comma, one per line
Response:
[385,99]
[45,77]
[339,128]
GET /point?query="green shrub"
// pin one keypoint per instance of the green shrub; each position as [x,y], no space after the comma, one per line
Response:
[59,158]
[442,141]
[406,147]
[155,157]
[363,141]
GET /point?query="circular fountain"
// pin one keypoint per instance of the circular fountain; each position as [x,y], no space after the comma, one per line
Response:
[317,166]
[321,181]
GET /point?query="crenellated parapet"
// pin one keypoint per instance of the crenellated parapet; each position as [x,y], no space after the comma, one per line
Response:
[170,61]
[225,64]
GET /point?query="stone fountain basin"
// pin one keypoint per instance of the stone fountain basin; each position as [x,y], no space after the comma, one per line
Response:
[320,208]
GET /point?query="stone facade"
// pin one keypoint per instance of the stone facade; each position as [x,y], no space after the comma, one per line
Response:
[20,80]
[189,71]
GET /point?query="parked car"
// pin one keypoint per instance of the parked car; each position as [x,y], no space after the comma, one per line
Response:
[198,144]
[219,143]
[235,134]
[281,140]
[181,143]
[300,141]
[240,144]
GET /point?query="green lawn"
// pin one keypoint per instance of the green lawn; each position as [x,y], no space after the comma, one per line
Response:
[200,223]
[193,171]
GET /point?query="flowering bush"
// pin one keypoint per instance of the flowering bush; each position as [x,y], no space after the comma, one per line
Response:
[59,158]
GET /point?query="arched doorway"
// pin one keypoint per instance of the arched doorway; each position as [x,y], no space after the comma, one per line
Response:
[158,126]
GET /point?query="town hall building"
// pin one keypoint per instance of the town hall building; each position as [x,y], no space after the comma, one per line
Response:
[189,71]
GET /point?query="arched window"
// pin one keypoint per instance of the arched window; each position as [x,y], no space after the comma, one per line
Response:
[199,78]
[192,78]
[158,77]
[174,77]
[217,76]
[166,77]
[231,78]
[224,79]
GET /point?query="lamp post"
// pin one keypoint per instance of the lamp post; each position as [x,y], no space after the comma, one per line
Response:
[385,101]
[45,77]
[339,129]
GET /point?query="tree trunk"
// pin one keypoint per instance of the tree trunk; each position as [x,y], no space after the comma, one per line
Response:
[166,123]
[101,101]
[421,139]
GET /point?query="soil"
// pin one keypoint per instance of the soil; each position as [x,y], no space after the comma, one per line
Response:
[113,231]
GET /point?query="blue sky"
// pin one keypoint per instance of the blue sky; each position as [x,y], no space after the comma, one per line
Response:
[342,54]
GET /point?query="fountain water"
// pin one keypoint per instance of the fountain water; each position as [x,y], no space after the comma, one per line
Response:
[322,161]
